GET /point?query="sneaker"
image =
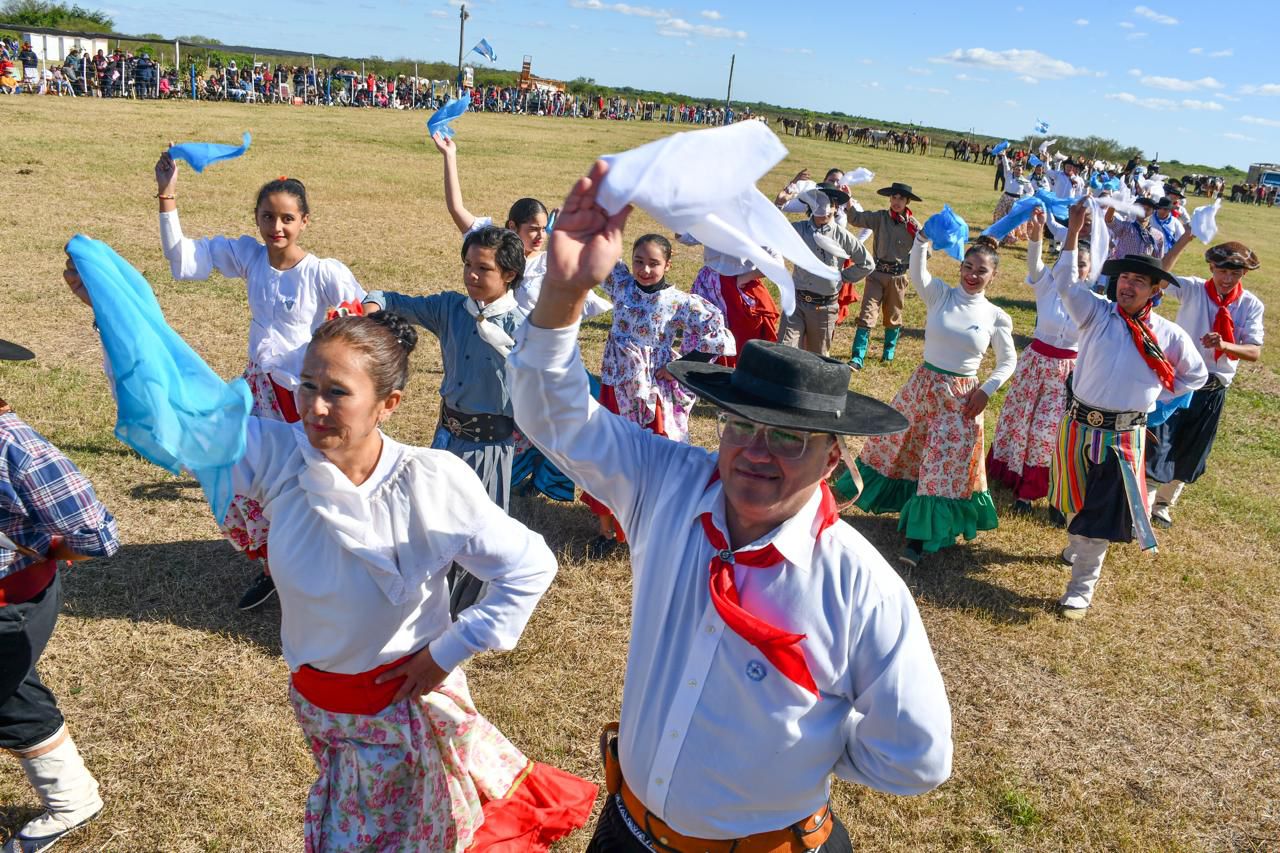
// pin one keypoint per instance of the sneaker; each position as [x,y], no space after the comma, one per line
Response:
[910,556]
[25,843]
[258,593]
[1021,507]
[1071,614]
[855,363]
[1160,516]
[602,547]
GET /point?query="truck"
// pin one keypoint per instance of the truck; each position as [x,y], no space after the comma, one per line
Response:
[1267,174]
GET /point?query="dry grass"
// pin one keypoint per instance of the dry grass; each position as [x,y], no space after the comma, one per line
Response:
[1151,726]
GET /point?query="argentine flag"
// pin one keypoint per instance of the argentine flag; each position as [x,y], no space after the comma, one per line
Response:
[485,50]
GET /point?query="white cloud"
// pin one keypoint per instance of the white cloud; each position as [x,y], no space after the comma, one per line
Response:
[1264,89]
[1163,103]
[1223,96]
[1135,72]
[968,78]
[711,14]
[806,50]
[1153,15]
[1027,78]
[1026,64]
[911,69]
[1135,36]
[937,91]
[1082,22]
[1128,25]
[1218,54]
[681,27]
[870,84]
[1010,103]
[1239,137]
[866,61]
[439,13]
[1173,84]
[1258,120]
[620,8]
[1196,50]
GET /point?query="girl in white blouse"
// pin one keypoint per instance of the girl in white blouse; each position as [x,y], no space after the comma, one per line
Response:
[290,291]
[932,474]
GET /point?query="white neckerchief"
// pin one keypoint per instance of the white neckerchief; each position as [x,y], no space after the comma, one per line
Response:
[490,332]
[826,244]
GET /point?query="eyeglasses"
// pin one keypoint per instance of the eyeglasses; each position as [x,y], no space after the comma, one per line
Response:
[782,443]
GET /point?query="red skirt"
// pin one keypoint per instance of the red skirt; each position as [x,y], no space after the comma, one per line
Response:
[750,314]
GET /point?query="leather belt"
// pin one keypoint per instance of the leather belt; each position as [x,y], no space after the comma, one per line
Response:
[476,427]
[816,299]
[803,835]
[1213,383]
[891,268]
[1103,419]
[1013,195]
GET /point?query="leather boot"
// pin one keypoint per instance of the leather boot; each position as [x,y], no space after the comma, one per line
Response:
[861,338]
[891,336]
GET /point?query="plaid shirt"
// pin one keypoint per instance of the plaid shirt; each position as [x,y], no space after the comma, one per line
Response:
[42,495]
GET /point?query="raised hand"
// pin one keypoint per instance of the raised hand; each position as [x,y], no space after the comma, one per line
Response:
[587,241]
[444,144]
[166,173]
[1076,216]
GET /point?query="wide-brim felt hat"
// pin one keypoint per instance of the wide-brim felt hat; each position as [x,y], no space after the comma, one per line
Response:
[1165,203]
[786,387]
[1141,264]
[838,196]
[14,352]
[1147,200]
[899,189]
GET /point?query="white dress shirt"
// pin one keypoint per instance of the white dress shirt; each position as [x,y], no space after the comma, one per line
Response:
[1054,325]
[714,740]
[1110,373]
[285,306]
[959,326]
[362,570]
[1066,186]
[1196,312]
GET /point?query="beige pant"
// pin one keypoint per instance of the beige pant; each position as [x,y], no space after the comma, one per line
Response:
[885,292]
[810,327]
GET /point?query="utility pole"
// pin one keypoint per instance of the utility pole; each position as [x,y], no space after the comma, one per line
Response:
[462,26]
[728,95]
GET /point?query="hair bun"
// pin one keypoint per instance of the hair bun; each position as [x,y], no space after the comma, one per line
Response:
[404,331]
[988,241]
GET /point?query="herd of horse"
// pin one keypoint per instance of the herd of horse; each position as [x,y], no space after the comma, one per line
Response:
[904,141]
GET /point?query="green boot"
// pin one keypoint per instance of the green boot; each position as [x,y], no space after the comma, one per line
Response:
[891,336]
[861,338]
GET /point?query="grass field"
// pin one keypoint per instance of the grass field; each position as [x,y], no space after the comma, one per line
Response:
[1153,725]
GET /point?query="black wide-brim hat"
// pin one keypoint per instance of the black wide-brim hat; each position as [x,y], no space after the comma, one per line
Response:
[899,189]
[838,196]
[1141,264]
[782,386]
[1147,200]
[13,352]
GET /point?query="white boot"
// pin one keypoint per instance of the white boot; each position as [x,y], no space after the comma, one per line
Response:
[67,789]
[1086,567]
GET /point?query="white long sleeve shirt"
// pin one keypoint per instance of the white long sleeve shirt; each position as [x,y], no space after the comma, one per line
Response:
[714,740]
[362,571]
[1067,186]
[959,327]
[1110,373]
[285,306]
[1196,312]
[1054,325]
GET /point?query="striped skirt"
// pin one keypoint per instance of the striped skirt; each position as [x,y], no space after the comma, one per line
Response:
[1028,424]
[1098,480]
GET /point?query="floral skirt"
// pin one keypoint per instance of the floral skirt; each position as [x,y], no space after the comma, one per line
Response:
[1003,206]
[932,474]
[1028,426]
[244,526]
[428,775]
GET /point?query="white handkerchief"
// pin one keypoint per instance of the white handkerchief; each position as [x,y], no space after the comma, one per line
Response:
[703,183]
[858,176]
[1043,150]
[831,247]
[1204,221]
[1099,237]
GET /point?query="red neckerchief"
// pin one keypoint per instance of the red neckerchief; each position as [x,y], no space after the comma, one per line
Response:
[1148,347]
[906,217]
[782,649]
[1222,323]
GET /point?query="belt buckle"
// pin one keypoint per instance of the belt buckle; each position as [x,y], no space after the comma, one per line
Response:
[1095,418]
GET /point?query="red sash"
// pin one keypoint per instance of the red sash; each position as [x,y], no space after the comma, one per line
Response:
[339,693]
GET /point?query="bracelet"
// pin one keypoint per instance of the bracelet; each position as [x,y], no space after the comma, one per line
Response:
[170,197]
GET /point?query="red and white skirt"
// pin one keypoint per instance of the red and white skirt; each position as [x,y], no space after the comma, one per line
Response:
[1028,426]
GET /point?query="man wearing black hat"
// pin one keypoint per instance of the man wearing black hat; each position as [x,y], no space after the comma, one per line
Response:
[1136,236]
[886,288]
[1129,358]
[48,513]
[759,618]
[812,325]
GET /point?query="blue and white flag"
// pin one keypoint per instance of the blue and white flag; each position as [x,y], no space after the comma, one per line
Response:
[485,50]
[1042,126]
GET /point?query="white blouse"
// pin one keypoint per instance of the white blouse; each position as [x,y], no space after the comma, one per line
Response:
[959,327]
[1054,325]
[362,570]
[285,306]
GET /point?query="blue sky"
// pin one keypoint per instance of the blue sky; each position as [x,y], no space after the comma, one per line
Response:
[1164,77]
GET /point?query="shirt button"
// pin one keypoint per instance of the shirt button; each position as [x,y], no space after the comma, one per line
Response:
[693,682]
[675,734]
[658,781]
[711,629]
